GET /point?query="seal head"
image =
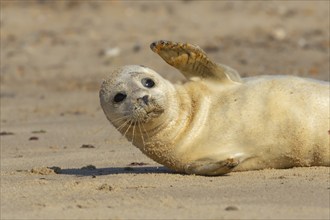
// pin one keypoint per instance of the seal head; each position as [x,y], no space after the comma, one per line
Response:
[134,95]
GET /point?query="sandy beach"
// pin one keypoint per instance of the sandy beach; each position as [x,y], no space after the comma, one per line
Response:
[61,158]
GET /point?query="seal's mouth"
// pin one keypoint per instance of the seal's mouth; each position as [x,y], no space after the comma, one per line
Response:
[145,114]
[155,113]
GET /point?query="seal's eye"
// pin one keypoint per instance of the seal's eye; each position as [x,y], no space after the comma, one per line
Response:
[147,82]
[119,97]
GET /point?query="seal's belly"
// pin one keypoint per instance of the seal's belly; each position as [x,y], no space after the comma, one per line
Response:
[277,123]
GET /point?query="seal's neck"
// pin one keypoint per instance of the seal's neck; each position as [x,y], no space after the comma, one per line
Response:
[174,123]
[175,117]
[165,136]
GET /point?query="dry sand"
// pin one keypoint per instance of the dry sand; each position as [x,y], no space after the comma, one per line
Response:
[53,58]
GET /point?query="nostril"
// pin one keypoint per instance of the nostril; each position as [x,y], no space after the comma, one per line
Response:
[145,99]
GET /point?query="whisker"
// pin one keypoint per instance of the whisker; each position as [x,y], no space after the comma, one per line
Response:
[128,128]
[120,118]
[139,125]
[145,130]
[120,129]
[123,125]
[133,132]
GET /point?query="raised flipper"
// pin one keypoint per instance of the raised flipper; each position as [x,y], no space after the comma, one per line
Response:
[192,61]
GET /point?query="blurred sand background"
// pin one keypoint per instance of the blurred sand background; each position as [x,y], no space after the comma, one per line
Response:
[60,157]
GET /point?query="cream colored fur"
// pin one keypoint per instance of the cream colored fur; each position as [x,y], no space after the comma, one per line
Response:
[211,128]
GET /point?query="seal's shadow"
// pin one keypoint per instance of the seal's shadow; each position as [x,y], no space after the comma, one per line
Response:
[114,170]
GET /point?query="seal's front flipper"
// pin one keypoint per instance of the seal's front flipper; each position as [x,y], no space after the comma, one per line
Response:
[211,167]
[192,61]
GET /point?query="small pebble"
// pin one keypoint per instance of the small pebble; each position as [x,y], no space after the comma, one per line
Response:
[87,146]
[279,34]
[33,138]
[231,208]
[106,187]
[6,133]
[110,52]
[138,164]
[136,48]
[39,132]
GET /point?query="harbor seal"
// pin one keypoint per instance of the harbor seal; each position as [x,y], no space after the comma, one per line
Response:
[218,122]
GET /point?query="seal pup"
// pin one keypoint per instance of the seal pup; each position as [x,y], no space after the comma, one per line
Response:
[218,122]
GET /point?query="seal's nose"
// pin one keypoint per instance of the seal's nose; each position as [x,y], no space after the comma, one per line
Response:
[145,99]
